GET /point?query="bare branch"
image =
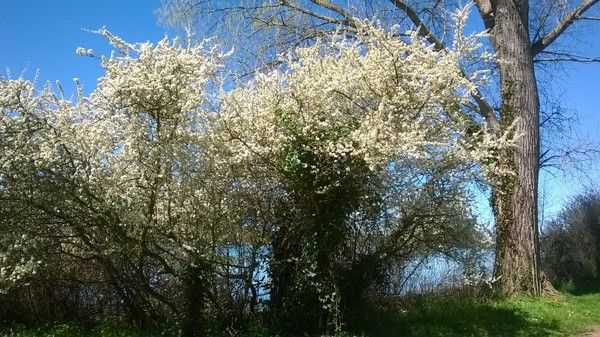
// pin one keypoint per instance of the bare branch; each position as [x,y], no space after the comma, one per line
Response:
[542,18]
[485,108]
[542,43]
[569,156]
[351,20]
[565,57]
[310,13]
[487,13]
[416,20]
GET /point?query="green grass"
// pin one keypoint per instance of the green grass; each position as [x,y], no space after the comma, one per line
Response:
[427,316]
[100,330]
[568,316]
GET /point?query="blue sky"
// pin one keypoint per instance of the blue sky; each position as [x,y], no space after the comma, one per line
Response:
[38,35]
[42,35]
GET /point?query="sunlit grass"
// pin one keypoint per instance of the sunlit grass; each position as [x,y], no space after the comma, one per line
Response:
[568,315]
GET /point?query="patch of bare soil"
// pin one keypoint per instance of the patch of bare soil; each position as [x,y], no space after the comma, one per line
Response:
[592,331]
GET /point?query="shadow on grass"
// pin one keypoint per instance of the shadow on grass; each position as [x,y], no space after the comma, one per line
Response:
[585,287]
[455,318]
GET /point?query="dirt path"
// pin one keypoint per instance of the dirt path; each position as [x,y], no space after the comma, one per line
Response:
[592,331]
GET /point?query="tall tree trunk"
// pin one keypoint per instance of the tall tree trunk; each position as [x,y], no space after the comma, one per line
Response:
[195,288]
[515,200]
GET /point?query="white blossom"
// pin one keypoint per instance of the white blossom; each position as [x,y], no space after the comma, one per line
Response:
[375,98]
[133,144]
[84,52]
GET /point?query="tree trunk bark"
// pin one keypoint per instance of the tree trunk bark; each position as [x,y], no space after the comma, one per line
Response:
[515,199]
[195,287]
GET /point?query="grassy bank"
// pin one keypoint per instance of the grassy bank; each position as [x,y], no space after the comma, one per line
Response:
[567,316]
[71,330]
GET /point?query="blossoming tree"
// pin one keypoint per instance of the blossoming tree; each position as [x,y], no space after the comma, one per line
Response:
[118,178]
[368,139]
[353,153]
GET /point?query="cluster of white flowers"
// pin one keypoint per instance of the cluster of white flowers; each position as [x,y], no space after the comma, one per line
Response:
[166,79]
[135,142]
[84,52]
[18,260]
[373,97]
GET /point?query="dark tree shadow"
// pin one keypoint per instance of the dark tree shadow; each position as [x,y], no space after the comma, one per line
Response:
[458,319]
[585,287]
